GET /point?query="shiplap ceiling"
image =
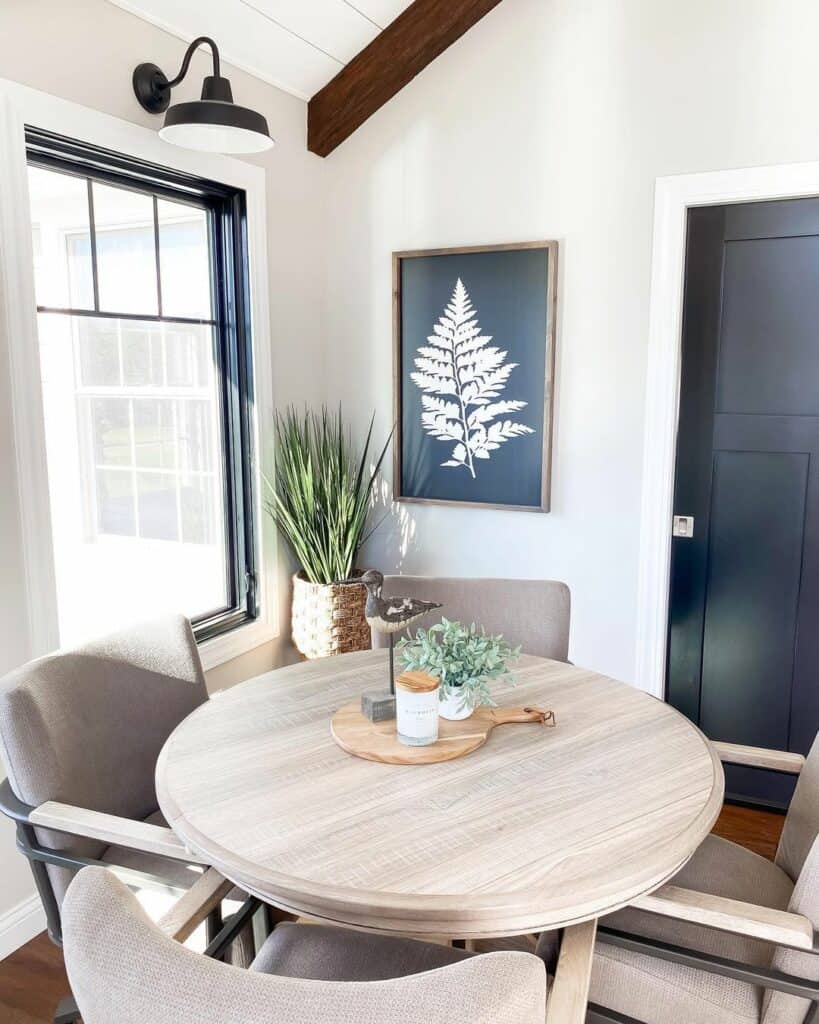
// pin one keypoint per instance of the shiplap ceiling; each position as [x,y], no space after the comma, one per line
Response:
[297,45]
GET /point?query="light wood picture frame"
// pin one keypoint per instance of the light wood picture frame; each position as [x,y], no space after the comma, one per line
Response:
[473,375]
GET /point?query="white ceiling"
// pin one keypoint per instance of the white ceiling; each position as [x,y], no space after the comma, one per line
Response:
[297,45]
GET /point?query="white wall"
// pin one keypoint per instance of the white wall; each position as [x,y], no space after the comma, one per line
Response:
[85,51]
[552,119]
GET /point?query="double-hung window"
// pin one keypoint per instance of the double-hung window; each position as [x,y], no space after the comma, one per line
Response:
[141,290]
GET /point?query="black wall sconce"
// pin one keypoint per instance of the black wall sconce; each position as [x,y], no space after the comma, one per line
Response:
[213,123]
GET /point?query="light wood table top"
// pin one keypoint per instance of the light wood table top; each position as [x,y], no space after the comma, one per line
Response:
[538,829]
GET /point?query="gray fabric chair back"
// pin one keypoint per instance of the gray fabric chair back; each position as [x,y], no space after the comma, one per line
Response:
[802,821]
[798,856]
[123,969]
[85,726]
[532,613]
[779,1008]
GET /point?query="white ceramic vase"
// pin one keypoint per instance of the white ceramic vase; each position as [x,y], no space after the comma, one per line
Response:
[454,708]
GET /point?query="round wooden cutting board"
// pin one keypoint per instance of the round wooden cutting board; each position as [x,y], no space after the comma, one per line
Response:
[377,741]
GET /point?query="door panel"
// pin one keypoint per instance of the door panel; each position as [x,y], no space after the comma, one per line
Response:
[786,218]
[768,360]
[743,653]
[757,516]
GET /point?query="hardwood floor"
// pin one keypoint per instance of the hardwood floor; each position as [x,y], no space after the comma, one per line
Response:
[757,830]
[32,980]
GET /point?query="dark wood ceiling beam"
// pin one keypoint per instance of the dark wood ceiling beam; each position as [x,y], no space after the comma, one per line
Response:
[406,46]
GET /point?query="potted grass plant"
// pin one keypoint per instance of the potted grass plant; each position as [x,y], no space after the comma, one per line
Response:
[319,497]
[464,658]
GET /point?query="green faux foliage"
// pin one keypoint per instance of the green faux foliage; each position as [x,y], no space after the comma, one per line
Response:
[320,493]
[464,658]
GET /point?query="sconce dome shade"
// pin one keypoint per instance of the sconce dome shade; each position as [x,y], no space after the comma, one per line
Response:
[216,126]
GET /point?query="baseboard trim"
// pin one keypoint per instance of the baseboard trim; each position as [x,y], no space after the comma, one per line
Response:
[20,924]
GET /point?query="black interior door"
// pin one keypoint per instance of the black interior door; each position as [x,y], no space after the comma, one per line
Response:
[743,646]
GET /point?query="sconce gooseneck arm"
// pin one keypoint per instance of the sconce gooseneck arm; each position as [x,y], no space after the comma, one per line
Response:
[186,60]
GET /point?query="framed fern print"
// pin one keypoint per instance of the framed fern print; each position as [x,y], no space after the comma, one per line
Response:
[473,364]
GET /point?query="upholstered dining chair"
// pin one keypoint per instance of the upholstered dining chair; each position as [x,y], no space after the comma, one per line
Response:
[730,940]
[533,613]
[124,968]
[80,733]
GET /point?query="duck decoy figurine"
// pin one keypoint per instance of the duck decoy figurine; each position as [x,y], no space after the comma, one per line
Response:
[390,614]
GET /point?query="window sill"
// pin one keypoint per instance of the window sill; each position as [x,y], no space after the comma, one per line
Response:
[231,645]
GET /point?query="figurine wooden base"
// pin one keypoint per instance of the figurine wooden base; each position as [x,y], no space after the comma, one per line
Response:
[377,741]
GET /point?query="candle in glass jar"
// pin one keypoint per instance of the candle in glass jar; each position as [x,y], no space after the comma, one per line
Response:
[416,708]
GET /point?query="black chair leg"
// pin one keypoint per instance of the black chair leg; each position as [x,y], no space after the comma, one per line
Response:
[271,918]
[213,925]
[67,1011]
[813,1014]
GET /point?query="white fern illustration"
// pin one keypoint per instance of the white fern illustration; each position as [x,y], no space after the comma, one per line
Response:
[462,376]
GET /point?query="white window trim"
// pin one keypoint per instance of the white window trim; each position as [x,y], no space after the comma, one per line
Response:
[21,106]
[674,195]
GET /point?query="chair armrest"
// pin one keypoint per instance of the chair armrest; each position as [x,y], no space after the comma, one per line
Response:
[569,997]
[759,757]
[111,829]
[11,806]
[190,910]
[776,926]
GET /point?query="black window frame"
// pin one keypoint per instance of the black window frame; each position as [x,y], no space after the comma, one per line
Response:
[230,288]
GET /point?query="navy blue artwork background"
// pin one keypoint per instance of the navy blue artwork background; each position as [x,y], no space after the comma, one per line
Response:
[508,290]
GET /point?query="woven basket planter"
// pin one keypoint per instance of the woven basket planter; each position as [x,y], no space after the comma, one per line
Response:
[328,618]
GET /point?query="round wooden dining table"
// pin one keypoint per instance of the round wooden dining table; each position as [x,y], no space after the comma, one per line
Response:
[538,829]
